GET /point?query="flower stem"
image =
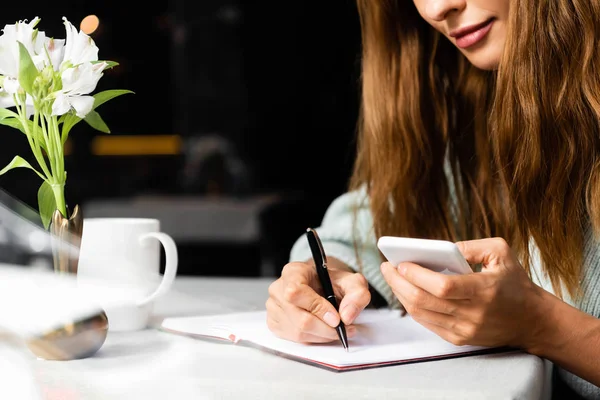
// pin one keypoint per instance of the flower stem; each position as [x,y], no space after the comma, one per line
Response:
[21,110]
[59,196]
[50,151]
[60,155]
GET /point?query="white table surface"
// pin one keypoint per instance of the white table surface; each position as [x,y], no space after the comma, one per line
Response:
[155,365]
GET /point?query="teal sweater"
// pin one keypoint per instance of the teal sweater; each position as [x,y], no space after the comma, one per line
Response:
[336,233]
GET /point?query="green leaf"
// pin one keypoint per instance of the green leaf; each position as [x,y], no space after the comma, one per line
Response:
[95,121]
[19,162]
[46,203]
[70,120]
[110,64]
[6,113]
[13,123]
[27,70]
[102,97]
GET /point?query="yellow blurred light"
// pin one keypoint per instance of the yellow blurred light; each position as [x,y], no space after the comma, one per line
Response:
[89,24]
[136,145]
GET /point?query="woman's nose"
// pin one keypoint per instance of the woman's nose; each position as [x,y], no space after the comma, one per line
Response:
[438,10]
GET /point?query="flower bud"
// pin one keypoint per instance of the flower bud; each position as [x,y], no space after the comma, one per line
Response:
[43,83]
[21,94]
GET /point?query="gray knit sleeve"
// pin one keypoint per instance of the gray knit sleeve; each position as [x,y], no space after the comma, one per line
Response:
[590,304]
[336,232]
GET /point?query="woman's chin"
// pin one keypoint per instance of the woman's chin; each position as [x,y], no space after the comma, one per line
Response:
[486,57]
[486,65]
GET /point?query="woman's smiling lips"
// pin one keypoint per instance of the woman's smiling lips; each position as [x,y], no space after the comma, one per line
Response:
[470,35]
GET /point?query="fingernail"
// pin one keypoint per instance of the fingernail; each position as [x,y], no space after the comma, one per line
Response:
[401,270]
[349,313]
[331,319]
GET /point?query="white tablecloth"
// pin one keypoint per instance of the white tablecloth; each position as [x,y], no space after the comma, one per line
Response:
[155,365]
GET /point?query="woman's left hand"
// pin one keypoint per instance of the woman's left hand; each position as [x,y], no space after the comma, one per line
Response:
[498,306]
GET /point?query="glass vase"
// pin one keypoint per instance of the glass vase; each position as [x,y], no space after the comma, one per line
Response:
[66,240]
[71,338]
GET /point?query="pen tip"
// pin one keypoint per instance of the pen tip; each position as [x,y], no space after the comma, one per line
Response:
[345,344]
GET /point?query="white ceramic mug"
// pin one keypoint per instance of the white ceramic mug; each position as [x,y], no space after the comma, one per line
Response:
[119,268]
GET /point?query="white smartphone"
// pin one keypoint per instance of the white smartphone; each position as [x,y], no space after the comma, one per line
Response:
[438,255]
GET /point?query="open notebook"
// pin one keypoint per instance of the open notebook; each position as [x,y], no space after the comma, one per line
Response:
[383,338]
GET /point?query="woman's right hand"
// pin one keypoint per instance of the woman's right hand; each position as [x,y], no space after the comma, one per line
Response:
[297,310]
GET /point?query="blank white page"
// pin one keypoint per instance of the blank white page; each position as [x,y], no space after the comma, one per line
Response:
[383,337]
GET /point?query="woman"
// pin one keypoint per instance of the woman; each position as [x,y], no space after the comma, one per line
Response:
[480,124]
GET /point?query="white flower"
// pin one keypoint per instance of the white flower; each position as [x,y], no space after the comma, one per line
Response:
[80,74]
[79,48]
[56,52]
[34,41]
[75,59]
[11,85]
[31,38]
[41,76]
[6,99]
[7,92]
[77,82]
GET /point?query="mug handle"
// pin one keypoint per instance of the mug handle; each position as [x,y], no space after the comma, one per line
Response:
[171,261]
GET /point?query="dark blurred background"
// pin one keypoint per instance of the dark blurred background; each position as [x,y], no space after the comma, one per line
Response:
[240,132]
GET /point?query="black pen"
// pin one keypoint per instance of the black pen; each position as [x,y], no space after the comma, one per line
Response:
[316,248]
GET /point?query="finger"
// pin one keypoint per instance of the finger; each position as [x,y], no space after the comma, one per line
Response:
[459,335]
[295,287]
[289,324]
[298,272]
[413,297]
[445,334]
[287,334]
[275,288]
[273,310]
[440,324]
[306,307]
[440,285]
[484,251]
[295,324]
[355,296]
[441,320]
